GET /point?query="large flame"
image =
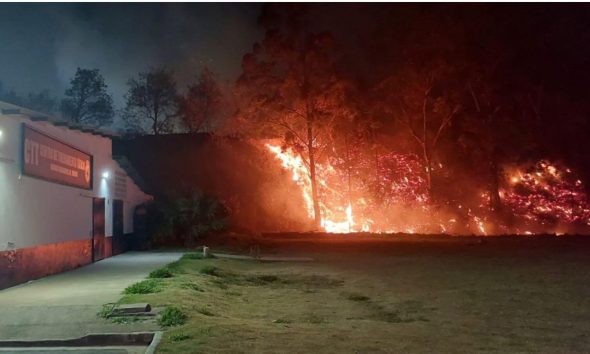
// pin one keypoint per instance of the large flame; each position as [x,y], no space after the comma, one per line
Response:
[538,194]
[334,219]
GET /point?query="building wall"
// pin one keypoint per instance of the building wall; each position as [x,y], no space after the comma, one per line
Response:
[47,227]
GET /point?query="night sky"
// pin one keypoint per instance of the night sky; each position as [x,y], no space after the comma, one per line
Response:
[43,44]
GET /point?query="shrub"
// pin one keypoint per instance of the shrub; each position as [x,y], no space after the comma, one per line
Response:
[195,255]
[172,316]
[148,286]
[161,273]
[106,311]
[192,216]
[175,267]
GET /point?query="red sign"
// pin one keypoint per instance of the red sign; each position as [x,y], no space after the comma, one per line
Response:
[52,160]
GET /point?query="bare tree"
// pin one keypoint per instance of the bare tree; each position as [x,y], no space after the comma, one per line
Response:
[418,99]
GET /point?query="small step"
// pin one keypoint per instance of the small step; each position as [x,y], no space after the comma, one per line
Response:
[128,309]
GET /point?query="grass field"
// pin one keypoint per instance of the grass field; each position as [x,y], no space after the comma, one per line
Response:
[379,295]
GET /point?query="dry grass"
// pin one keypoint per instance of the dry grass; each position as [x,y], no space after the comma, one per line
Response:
[371,298]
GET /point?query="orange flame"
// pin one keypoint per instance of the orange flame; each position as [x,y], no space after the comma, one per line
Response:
[549,191]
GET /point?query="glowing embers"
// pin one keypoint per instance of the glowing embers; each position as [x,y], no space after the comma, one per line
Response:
[368,198]
[546,193]
[388,193]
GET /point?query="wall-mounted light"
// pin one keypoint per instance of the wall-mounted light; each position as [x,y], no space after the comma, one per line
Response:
[1,132]
[106,175]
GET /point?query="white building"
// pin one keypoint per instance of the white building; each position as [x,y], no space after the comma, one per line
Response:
[63,198]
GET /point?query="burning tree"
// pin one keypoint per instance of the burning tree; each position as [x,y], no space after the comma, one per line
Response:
[418,98]
[289,89]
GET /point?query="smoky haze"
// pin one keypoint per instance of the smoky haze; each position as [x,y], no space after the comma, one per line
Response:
[43,44]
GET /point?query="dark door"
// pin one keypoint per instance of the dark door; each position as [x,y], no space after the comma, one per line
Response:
[98,237]
[118,228]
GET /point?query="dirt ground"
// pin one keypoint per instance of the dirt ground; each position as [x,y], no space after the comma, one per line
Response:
[384,295]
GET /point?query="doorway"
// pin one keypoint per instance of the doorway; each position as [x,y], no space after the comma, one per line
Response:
[98,221]
[118,226]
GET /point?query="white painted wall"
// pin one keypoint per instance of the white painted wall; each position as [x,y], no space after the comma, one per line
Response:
[37,212]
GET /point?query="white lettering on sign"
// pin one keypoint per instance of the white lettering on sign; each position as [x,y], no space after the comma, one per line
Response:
[64,170]
[50,159]
[31,152]
[34,150]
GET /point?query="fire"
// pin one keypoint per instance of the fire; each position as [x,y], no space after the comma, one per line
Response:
[295,164]
[547,194]
[334,219]
[392,197]
[346,207]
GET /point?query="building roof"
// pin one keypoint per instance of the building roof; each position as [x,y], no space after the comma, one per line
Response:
[8,109]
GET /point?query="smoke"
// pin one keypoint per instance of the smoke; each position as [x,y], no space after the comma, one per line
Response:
[43,44]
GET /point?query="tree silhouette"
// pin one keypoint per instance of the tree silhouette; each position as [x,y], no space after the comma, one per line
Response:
[201,104]
[152,102]
[87,101]
[289,89]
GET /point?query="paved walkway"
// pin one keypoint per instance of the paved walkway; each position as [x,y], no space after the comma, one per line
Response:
[65,305]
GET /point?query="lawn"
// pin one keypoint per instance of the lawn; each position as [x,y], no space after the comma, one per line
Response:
[379,295]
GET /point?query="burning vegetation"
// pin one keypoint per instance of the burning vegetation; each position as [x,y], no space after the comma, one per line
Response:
[412,122]
[540,198]
[428,130]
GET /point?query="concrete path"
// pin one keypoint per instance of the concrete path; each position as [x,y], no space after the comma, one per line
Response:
[65,305]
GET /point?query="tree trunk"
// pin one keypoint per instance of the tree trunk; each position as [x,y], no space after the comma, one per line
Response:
[495,200]
[428,163]
[312,176]
[425,151]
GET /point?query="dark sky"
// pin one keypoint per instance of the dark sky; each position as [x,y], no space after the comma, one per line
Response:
[41,45]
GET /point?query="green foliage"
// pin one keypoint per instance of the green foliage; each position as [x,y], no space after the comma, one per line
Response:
[192,286]
[172,316]
[106,311]
[210,270]
[175,267]
[192,217]
[178,337]
[195,256]
[148,286]
[161,273]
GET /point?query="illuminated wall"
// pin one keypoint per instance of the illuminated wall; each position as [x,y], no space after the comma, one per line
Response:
[37,212]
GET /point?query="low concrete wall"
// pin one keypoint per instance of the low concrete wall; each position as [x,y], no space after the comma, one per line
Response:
[21,265]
